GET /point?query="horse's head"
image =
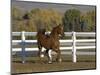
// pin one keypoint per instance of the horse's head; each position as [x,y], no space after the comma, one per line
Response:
[60,30]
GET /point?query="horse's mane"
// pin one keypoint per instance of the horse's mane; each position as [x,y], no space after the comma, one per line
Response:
[42,31]
[54,30]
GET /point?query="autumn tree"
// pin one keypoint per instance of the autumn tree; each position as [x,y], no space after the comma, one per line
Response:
[72,19]
[16,19]
[88,21]
[45,18]
[91,20]
[16,14]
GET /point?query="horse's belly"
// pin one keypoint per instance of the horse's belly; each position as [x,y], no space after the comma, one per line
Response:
[49,43]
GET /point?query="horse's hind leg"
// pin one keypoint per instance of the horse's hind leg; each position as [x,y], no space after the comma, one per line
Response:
[40,53]
[58,55]
[40,48]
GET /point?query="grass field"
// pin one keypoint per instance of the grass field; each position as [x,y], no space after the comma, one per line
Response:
[33,64]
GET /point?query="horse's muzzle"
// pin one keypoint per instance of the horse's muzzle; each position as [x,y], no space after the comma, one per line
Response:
[62,36]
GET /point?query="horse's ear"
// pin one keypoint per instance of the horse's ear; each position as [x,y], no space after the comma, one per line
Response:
[60,25]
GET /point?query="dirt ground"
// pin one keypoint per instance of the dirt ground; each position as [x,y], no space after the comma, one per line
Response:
[33,65]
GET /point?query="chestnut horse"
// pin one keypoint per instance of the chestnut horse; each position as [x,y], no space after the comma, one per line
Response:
[50,42]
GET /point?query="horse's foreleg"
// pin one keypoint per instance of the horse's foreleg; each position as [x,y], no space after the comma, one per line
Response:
[49,56]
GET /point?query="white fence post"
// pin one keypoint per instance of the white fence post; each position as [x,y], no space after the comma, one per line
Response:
[23,46]
[74,47]
[72,41]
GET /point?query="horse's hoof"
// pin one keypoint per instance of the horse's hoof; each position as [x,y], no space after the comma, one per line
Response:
[41,55]
[60,60]
[49,62]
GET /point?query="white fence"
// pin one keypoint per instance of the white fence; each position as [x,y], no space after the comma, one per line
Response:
[74,41]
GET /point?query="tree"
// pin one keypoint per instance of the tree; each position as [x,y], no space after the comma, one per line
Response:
[16,14]
[45,18]
[71,20]
[17,21]
[88,21]
[83,22]
[91,20]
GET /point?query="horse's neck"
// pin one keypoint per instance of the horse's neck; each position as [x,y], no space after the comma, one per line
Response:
[54,35]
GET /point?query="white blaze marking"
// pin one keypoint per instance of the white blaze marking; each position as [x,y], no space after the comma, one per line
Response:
[49,54]
[42,55]
[43,49]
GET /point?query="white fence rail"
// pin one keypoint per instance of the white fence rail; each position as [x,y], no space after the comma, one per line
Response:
[74,41]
